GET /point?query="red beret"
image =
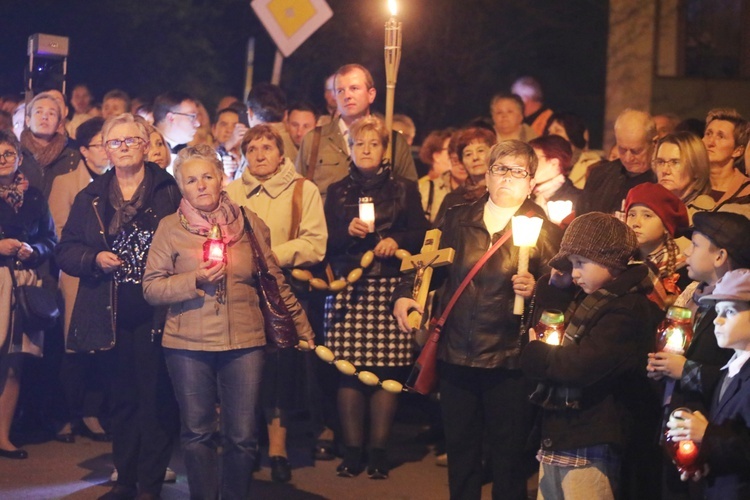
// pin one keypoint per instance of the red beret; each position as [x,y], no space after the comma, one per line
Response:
[670,209]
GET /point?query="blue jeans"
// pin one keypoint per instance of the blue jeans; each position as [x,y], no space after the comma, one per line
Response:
[231,378]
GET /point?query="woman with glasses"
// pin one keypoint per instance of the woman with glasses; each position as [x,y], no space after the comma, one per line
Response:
[27,236]
[681,165]
[105,243]
[483,394]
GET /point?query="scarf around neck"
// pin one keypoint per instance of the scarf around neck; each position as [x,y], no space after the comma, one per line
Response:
[44,154]
[125,211]
[12,194]
[227,215]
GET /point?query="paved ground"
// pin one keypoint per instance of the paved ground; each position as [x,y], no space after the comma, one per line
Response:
[81,471]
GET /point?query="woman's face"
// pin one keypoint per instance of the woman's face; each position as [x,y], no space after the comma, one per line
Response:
[557,128]
[475,157]
[200,184]
[158,153]
[670,171]
[9,161]
[458,171]
[509,189]
[719,141]
[547,169]
[367,151]
[263,157]
[441,161]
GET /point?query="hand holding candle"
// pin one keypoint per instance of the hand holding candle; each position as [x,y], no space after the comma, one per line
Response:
[559,209]
[525,233]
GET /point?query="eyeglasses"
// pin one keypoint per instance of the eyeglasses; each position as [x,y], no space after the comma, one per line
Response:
[659,163]
[515,171]
[97,145]
[128,141]
[191,116]
[9,156]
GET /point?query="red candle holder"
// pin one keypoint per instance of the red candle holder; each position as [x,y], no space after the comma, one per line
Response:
[214,249]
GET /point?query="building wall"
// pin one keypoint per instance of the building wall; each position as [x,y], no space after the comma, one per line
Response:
[693,97]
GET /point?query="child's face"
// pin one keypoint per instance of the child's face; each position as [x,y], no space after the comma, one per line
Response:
[701,255]
[646,225]
[589,275]
[732,325]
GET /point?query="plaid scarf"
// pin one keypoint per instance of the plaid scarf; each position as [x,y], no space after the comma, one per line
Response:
[12,194]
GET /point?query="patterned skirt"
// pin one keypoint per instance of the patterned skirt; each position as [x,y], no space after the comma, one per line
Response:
[361,329]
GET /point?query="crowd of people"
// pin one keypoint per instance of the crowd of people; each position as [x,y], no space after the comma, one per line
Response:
[115,208]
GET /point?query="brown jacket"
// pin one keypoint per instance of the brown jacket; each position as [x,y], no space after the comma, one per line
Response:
[195,320]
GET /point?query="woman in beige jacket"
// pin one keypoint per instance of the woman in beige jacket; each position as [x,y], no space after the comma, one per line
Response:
[214,333]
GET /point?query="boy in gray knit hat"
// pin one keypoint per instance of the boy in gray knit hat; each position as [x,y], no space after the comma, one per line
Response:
[592,387]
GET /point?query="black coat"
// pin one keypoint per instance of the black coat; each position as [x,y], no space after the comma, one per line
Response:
[32,224]
[94,318]
[482,331]
[607,186]
[41,177]
[726,444]
[398,215]
[608,365]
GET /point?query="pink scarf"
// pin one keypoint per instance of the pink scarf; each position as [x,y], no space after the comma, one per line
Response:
[227,215]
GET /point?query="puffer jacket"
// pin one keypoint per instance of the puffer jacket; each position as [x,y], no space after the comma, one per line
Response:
[482,331]
[398,215]
[94,317]
[196,321]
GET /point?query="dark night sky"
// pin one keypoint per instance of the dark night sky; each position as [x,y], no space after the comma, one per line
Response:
[457,53]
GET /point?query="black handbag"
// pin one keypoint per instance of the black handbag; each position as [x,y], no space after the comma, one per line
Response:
[36,306]
[278,323]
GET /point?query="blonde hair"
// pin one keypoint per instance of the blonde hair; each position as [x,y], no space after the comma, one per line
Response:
[693,156]
[368,123]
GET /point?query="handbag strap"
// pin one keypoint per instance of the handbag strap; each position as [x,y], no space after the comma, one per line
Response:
[296,208]
[11,269]
[313,160]
[257,252]
[474,270]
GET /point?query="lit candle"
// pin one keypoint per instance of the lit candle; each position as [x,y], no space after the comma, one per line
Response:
[675,341]
[553,338]
[559,209]
[214,249]
[367,212]
[686,451]
[525,233]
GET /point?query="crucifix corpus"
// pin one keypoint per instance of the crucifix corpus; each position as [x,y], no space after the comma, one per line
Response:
[430,257]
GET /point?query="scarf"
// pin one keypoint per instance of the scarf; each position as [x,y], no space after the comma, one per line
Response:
[44,154]
[369,182]
[227,215]
[12,194]
[125,211]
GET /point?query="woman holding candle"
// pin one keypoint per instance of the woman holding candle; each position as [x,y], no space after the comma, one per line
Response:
[105,243]
[358,328]
[213,354]
[271,188]
[483,394]
[27,236]
[552,182]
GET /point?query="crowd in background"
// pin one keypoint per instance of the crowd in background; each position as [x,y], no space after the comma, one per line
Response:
[111,205]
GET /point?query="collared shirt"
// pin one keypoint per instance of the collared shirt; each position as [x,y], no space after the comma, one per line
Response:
[345,132]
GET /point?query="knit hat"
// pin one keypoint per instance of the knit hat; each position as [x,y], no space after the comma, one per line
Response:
[727,230]
[599,237]
[668,207]
[734,285]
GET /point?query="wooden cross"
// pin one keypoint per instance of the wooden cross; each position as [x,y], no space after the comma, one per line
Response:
[431,256]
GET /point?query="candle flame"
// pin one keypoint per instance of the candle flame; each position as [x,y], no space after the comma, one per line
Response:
[393,7]
[553,338]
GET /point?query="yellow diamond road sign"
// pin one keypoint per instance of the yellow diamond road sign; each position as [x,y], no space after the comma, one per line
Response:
[291,22]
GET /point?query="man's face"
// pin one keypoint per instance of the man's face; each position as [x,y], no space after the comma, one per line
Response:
[299,123]
[352,95]
[113,107]
[182,122]
[44,118]
[732,325]
[506,116]
[719,141]
[634,149]
[224,126]
[81,99]
[126,156]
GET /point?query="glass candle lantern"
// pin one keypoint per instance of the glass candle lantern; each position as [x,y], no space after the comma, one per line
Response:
[214,249]
[676,331]
[551,327]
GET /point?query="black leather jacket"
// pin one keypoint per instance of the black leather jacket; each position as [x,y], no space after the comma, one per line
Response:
[398,215]
[83,237]
[482,331]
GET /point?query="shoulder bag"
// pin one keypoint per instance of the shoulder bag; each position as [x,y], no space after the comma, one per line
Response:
[36,306]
